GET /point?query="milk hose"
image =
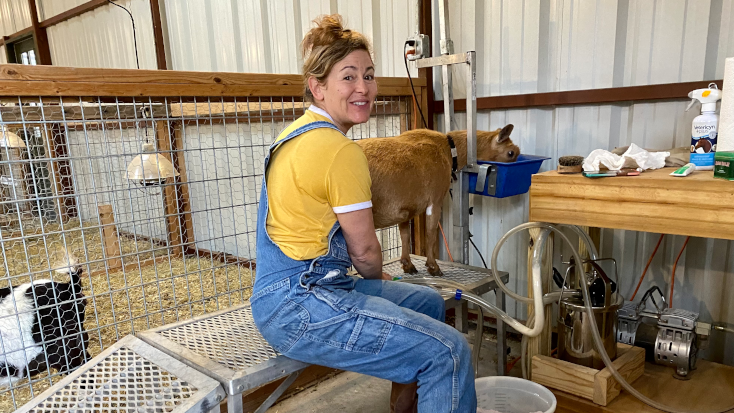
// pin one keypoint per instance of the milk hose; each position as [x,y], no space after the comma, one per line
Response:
[589,310]
[452,289]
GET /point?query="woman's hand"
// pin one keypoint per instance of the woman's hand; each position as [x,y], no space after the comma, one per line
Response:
[386,276]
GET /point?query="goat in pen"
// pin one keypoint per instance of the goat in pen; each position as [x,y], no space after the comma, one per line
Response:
[411,174]
[42,326]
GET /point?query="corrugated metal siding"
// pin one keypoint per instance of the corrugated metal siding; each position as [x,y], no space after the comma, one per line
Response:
[264,36]
[527,47]
[50,8]
[104,38]
[14,16]
[98,156]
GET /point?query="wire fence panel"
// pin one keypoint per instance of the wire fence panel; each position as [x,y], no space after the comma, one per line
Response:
[121,214]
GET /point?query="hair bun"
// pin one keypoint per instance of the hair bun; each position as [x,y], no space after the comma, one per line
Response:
[329,29]
[324,45]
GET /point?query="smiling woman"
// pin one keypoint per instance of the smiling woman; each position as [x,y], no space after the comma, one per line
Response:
[315,221]
[339,75]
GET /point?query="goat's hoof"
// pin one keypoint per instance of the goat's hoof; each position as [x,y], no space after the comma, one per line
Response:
[408,267]
[434,271]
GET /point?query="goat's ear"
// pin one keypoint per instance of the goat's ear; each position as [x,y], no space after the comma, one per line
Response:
[505,133]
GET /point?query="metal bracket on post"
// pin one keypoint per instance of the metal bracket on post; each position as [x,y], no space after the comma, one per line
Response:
[487,174]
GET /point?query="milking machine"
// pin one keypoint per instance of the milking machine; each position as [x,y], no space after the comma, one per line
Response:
[670,336]
[592,314]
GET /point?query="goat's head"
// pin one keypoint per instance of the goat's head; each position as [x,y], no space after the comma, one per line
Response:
[497,145]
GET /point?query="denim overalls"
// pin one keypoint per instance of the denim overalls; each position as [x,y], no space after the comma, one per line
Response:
[313,312]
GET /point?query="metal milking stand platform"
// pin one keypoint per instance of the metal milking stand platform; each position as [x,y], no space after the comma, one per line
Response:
[461,186]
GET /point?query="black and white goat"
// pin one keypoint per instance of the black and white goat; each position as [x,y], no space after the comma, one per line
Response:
[42,327]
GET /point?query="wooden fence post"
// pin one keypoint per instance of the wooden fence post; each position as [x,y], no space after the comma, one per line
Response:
[110,239]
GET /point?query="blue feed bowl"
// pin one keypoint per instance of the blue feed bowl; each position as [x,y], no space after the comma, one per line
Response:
[513,178]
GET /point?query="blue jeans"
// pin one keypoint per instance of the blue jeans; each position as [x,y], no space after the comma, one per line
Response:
[385,329]
[313,312]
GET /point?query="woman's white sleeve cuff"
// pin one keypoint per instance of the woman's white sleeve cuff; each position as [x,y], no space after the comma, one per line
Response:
[351,208]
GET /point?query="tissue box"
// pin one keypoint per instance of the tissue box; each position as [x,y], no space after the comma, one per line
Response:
[724,165]
[507,178]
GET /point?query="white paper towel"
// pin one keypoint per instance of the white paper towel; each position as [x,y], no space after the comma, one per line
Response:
[726,117]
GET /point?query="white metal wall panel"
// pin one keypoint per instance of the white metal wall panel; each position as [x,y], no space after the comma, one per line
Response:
[104,38]
[725,37]
[14,16]
[51,8]
[259,36]
[97,161]
[217,225]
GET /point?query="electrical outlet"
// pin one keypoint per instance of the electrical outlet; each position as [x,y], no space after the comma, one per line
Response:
[420,44]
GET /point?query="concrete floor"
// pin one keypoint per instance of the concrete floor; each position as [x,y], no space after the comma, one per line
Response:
[356,393]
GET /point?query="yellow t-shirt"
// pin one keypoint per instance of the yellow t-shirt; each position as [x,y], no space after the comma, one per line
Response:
[310,179]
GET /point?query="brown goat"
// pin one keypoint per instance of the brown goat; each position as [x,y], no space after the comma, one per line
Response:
[411,174]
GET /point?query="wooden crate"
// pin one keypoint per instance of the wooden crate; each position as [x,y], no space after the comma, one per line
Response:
[596,385]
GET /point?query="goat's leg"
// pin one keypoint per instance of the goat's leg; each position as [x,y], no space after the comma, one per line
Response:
[432,221]
[408,266]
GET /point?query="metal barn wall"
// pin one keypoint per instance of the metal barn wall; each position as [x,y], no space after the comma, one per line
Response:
[102,38]
[264,36]
[14,16]
[546,46]
[99,156]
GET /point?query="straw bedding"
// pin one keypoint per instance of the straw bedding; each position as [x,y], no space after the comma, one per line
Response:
[124,302]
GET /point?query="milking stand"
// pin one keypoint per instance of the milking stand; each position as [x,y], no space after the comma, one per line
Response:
[460,189]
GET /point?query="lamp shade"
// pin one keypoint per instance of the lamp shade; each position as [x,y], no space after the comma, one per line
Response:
[150,168]
[10,140]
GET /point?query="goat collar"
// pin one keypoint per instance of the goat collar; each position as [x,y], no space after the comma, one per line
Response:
[454,157]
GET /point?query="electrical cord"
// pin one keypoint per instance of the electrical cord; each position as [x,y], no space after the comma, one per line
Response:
[480,254]
[642,277]
[135,38]
[672,276]
[405,59]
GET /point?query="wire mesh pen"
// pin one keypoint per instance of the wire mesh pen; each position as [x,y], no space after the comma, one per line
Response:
[152,249]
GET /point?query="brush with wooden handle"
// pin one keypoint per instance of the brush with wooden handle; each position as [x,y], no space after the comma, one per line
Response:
[570,164]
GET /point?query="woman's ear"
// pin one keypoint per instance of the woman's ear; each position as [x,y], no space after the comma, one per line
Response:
[316,88]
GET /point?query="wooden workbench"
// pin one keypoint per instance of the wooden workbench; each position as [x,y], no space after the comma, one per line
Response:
[697,205]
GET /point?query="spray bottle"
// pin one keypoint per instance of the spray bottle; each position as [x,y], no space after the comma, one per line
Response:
[705,126]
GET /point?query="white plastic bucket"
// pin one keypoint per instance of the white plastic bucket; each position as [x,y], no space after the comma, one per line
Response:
[513,395]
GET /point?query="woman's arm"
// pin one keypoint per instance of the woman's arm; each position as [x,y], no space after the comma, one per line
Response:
[364,249]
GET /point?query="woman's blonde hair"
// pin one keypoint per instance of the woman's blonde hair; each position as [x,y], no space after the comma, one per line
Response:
[325,45]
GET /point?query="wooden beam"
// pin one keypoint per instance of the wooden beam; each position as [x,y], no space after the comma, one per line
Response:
[110,238]
[668,91]
[20,80]
[174,229]
[425,101]
[11,37]
[186,220]
[71,13]
[60,156]
[160,48]
[40,36]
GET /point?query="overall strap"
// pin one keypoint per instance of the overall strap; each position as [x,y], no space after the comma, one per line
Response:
[305,128]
